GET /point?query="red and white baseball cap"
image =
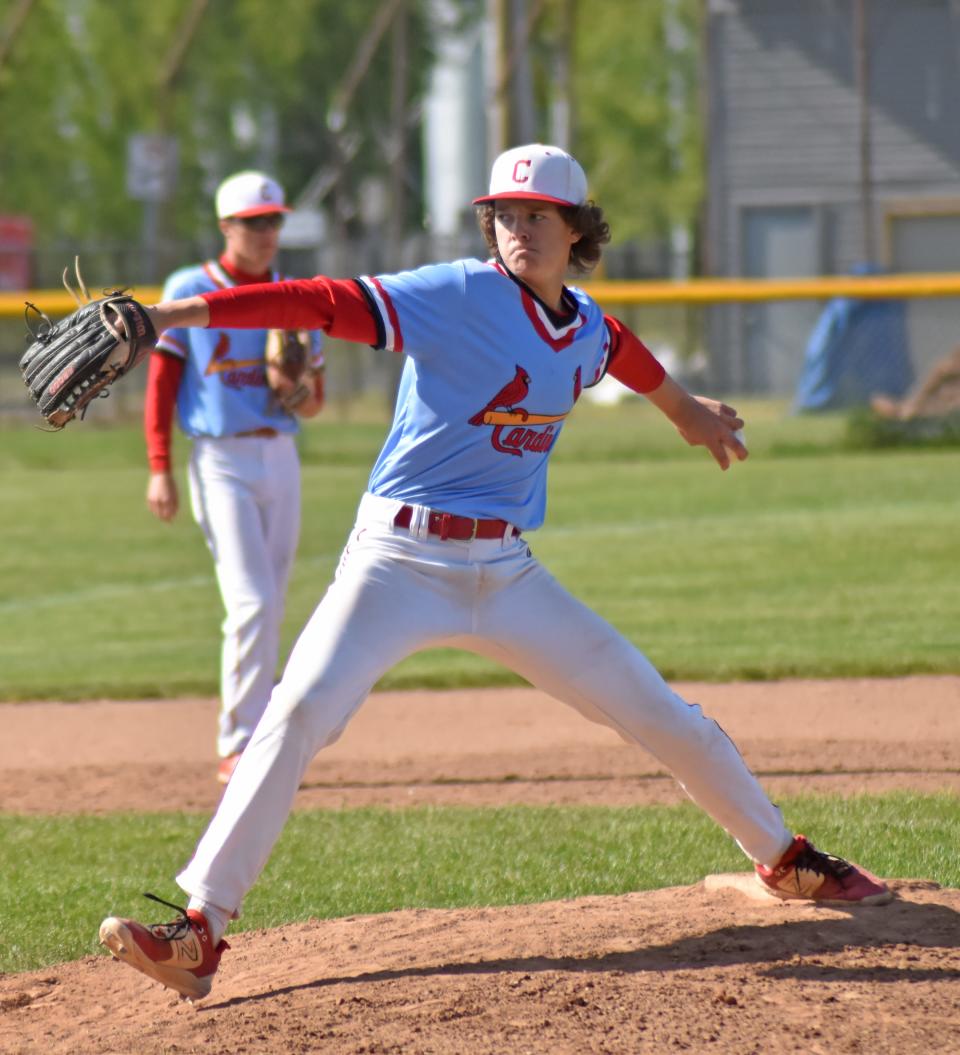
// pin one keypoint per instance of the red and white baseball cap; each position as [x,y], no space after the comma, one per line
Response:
[249,194]
[536,171]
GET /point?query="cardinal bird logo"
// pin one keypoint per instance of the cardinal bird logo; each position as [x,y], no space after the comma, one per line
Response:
[508,396]
[221,360]
[511,423]
[234,373]
[221,356]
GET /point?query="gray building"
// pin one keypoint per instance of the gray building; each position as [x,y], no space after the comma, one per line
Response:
[820,113]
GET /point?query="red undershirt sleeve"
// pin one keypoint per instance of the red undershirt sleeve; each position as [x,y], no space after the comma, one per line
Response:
[160,399]
[631,362]
[336,306]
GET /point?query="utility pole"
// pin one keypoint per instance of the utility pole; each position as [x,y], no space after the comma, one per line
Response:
[498,111]
[519,74]
[678,44]
[562,108]
[510,98]
[862,62]
[399,86]
[399,78]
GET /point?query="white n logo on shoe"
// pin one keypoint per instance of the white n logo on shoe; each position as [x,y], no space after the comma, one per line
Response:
[807,882]
[189,949]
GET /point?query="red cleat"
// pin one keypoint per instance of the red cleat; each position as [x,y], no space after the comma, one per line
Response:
[179,955]
[804,872]
[226,768]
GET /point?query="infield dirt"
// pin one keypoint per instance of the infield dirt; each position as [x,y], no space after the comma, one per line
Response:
[686,969]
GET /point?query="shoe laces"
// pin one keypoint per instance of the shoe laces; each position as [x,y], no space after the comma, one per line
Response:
[179,928]
[810,859]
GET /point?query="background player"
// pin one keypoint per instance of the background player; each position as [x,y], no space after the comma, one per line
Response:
[244,473]
[497,355]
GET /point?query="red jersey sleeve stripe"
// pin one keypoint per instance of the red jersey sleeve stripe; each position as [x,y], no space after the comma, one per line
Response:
[631,361]
[396,344]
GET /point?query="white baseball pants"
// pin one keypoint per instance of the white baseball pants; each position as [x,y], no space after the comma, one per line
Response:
[397,592]
[245,494]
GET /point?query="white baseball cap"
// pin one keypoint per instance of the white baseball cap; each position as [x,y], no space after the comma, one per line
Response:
[249,194]
[536,171]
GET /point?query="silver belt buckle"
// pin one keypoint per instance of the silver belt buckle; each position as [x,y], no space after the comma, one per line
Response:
[473,533]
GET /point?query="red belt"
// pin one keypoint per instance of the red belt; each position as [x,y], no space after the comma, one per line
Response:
[460,529]
[264,433]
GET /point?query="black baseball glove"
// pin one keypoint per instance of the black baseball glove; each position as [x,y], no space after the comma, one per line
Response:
[76,360]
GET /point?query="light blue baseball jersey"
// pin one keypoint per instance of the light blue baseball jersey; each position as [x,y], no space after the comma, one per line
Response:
[489,379]
[223,390]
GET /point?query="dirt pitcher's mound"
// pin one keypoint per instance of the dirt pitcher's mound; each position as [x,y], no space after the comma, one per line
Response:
[669,970]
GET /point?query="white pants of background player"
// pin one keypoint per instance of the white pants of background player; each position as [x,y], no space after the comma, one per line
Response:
[397,591]
[245,494]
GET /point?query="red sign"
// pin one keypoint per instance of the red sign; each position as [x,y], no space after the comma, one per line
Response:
[16,246]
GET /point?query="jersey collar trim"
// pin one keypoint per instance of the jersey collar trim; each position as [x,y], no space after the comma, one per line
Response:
[222,278]
[217,275]
[558,332]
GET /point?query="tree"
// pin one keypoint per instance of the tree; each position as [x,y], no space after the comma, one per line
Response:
[255,83]
[634,98]
[252,90]
[637,124]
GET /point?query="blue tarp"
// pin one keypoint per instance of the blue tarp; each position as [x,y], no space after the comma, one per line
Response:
[858,348]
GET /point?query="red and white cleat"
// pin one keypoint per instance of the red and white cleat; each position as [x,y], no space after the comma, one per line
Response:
[179,955]
[226,767]
[804,872]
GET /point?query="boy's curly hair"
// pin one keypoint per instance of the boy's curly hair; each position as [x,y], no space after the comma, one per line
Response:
[587,220]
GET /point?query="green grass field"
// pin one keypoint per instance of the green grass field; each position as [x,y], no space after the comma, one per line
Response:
[810,559]
[815,558]
[336,863]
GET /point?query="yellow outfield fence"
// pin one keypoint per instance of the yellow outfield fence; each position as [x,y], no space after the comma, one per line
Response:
[725,336]
[691,291]
[57,302]
[720,290]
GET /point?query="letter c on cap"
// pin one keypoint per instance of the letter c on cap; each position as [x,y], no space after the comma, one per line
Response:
[521,175]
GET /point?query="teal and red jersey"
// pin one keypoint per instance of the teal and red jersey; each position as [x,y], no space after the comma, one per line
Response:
[491,374]
[489,379]
[223,388]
